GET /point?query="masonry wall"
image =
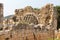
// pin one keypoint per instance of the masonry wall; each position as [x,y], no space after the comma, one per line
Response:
[31,24]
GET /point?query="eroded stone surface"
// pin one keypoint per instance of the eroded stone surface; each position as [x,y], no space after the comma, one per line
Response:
[31,24]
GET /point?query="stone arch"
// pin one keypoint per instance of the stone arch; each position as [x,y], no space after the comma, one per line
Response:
[30,18]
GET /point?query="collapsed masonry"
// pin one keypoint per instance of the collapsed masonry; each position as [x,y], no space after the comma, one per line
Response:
[31,24]
[45,17]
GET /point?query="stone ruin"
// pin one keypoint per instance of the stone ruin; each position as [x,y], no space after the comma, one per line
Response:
[1,15]
[44,17]
[31,24]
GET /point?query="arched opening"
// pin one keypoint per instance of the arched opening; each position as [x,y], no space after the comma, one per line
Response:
[30,18]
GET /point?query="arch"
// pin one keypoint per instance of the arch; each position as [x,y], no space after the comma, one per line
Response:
[30,18]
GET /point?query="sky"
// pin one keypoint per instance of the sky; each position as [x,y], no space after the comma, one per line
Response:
[11,5]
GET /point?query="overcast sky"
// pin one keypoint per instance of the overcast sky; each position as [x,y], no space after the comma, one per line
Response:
[11,5]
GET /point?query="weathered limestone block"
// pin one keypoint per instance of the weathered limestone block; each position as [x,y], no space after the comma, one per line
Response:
[19,12]
[28,9]
[45,15]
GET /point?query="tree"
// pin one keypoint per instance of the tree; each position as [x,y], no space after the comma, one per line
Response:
[58,19]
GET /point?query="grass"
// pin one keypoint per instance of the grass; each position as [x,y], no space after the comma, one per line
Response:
[52,39]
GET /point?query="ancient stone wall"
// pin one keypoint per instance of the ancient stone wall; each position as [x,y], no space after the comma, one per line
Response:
[47,15]
[31,24]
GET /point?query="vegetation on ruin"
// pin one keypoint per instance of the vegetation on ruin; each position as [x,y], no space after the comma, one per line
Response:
[36,9]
